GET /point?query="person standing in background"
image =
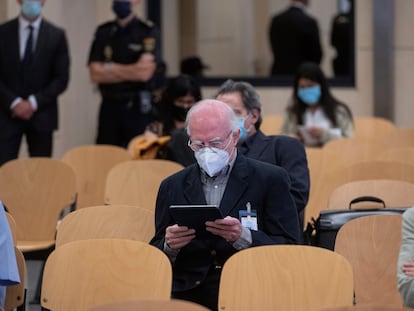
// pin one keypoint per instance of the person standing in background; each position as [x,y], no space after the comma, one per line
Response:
[122,61]
[341,39]
[34,71]
[294,39]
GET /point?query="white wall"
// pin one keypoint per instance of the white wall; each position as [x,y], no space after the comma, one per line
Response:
[79,104]
[360,98]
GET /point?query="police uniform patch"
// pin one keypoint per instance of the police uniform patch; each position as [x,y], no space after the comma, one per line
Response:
[136,47]
[149,44]
[108,53]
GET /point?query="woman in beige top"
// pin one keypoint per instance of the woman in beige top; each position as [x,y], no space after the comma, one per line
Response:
[315,116]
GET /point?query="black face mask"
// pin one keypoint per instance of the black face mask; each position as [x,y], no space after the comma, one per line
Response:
[122,9]
[180,113]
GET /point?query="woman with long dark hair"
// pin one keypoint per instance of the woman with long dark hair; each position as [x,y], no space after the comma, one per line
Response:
[179,96]
[315,115]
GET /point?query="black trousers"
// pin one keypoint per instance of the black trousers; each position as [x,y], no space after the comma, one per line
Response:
[120,121]
[40,143]
[206,293]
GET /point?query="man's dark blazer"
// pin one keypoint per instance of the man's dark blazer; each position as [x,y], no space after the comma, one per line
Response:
[286,152]
[294,39]
[46,77]
[265,186]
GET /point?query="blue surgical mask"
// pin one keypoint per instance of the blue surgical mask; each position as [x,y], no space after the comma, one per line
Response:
[31,9]
[122,9]
[243,131]
[310,95]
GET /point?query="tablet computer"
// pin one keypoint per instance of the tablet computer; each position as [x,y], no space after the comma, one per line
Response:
[195,216]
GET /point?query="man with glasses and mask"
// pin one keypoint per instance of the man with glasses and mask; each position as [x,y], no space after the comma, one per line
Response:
[122,61]
[280,150]
[239,186]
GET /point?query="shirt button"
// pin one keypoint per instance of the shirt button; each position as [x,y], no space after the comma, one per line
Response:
[197,282]
[215,187]
[213,253]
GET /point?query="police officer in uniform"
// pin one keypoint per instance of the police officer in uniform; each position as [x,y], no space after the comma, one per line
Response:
[122,61]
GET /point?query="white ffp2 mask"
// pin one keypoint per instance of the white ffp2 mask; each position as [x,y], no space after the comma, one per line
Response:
[212,160]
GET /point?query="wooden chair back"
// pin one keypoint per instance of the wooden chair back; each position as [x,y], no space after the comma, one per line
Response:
[285,277]
[398,154]
[364,170]
[371,244]
[372,127]
[107,221]
[352,150]
[151,305]
[35,191]
[394,193]
[271,124]
[369,307]
[85,273]
[376,169]
[320,166]
[400,137]
[91,164]
[137,182]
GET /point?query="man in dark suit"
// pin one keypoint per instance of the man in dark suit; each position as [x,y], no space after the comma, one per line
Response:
[239,186]
[294,39]
[34,71]
[283,151]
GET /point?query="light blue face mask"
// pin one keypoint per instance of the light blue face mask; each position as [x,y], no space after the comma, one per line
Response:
[31,9]
[310,95]
[243,131]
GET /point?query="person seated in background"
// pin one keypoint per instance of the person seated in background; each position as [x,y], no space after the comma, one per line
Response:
[238,185]
[9,273]
[180,94]
[178,97]
[405,270]
[315,116]
[283,151]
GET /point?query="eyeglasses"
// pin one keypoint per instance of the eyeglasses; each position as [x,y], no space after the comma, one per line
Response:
[217,143]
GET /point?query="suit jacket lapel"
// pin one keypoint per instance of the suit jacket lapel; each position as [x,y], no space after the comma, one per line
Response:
[260,144]
[14,45]
[193,190]
[236,185]
[41,40]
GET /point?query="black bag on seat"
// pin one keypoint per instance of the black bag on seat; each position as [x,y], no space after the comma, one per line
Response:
[322,232]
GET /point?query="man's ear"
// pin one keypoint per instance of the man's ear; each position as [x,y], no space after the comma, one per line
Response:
[255,115]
